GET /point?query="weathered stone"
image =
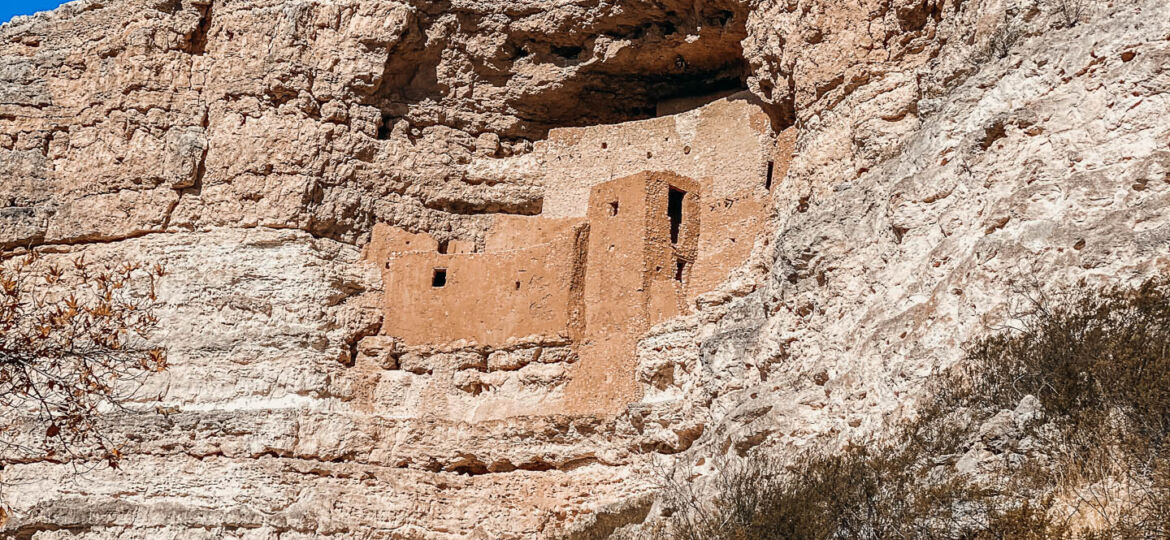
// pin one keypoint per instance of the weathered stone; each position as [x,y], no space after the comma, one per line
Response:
[383,351]
[487,144]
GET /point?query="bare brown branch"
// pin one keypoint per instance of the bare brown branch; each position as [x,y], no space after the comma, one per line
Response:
[72,346]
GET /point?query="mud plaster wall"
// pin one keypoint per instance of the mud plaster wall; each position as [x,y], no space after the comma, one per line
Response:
[732,223]
[630,283]
[387,240]
[630,264]
[487,297]
[511,232]
[725,145]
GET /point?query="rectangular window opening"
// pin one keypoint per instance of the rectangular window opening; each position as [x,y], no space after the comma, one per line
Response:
[443,245]
[674,209]
[613,209]
[768,179]
[679,267]
[439,278]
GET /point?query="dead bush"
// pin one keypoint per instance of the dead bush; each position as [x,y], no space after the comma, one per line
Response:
[1087,357]
[855,494]
[71,347]
[1070,12]
[1005,38]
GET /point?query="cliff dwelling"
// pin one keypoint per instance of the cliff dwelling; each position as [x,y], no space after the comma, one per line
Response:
[639,219]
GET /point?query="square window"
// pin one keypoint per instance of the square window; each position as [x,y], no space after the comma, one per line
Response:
[439,278]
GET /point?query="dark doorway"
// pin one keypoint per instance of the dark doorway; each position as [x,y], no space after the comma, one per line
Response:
[439,279]
[674,209]
[768,180]
[680,267]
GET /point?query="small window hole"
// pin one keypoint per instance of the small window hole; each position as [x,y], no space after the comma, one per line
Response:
[439,279]
[443,247]
[674,209]
[604,145]
[768,179]
[613,209]
[517,285]
[679,267]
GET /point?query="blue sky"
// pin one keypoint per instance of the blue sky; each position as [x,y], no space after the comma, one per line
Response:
[12,8]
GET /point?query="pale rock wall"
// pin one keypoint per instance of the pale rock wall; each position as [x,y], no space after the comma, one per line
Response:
[1042,170]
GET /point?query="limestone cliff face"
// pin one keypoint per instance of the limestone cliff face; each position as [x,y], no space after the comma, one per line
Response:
[946,152]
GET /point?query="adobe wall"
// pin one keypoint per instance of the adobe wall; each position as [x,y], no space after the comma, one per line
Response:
[630,283]
[725,145]
[604,292]
[687,103]
[488,298]
[732,222]
[667,296]
[509,232]
[386,240]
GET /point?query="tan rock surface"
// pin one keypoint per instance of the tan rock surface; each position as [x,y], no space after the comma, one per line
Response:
[251,145]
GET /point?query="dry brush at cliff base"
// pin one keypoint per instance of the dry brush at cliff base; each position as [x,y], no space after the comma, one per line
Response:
[1057,427]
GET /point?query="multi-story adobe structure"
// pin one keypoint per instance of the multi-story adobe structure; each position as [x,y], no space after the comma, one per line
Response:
[607,260]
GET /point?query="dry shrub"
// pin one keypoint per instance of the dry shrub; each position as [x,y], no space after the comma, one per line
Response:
[1070,12]
[1004,39]
[1085,357]
[71,347]
[856,494]
[1098,363]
